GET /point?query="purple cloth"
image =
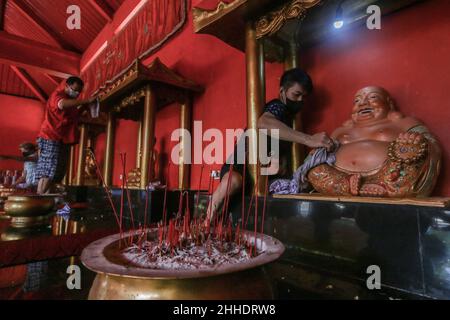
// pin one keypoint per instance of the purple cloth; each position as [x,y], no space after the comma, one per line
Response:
[299,183]
[64,212]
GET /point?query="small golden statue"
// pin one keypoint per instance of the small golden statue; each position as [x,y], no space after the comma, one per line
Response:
[134,178]
[90,171]
[382,153]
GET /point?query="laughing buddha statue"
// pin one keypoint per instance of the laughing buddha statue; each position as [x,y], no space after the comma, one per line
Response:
[381,153]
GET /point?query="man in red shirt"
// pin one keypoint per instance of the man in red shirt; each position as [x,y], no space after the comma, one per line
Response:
[58,131]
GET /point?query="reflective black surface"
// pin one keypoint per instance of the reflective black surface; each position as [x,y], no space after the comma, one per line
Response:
[329,245]
[410,245]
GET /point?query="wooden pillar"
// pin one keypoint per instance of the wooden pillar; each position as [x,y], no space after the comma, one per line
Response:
[185,123]
[69,171]
[139,145]
[79,178]
[69,174]
[262,70]
[109,149]
[254,98]
[298,150]
[148,123]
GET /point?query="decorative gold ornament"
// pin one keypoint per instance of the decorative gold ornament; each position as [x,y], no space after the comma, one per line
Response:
[274,21]
[130,100]
[201,17]
[134,178]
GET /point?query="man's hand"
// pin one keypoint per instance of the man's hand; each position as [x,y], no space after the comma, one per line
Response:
[91,100]
[320,140]
[75,103]
[86,103]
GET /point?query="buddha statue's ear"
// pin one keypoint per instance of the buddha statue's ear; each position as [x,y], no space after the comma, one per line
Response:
[391,103]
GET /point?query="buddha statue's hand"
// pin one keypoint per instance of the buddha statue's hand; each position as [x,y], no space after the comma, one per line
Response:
[408,148]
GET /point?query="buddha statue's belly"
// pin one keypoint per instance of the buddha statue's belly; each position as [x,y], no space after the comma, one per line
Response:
[362,156]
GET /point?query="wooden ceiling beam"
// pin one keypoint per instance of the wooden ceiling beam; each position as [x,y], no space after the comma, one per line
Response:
[30,83]
[103,9]
[27,53]
[29,14]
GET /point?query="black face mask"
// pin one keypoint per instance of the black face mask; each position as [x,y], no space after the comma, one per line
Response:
[27,153]
[294,106]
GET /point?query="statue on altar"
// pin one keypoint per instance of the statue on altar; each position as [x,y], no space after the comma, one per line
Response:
[134,176]
[90,171]
[381,153]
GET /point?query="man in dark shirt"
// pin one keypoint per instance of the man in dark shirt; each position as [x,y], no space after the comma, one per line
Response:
[278,114]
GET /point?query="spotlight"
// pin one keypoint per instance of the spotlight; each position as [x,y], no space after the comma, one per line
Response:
[338,24]
[339,21]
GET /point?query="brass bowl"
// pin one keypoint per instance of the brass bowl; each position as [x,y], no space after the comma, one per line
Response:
[19,233]
[30,222]
[6,192]
[119,279]
[28,205]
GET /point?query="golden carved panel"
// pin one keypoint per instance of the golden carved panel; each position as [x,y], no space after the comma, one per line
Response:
[270,24]
[202,17]
[130,100]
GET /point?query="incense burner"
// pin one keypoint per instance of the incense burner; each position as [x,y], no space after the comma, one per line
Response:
[29,210]
[118,278]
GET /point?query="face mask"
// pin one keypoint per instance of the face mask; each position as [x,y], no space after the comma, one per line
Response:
[27,153]
[294,106]
[72,93]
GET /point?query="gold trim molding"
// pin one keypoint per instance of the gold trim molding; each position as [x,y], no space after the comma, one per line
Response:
[271,23]
[130,72]
[130,99]
[203,17]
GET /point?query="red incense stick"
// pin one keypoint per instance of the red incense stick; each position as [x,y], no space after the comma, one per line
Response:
[264,207]
[199,186]
[243,193]
[227,194]
[145,212]
[165,198]
[122,195]
[256,214]
[108,192]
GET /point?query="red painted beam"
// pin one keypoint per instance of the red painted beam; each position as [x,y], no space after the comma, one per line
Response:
[30,83]
[103,9]
[28,13]
[52,80]
[32,54]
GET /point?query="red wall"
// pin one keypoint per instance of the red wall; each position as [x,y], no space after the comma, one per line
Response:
[409,56]
[221,70]
[20,120]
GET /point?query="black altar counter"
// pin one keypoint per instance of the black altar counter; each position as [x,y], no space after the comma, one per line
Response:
[330,245]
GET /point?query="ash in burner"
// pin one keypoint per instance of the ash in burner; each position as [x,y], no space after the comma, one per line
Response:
[210,254]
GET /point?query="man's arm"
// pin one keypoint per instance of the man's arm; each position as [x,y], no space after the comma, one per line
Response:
[21,179]
[269,121]
[17,158]
[72,103]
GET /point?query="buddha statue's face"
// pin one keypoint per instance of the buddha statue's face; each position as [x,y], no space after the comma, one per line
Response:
[371,104]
